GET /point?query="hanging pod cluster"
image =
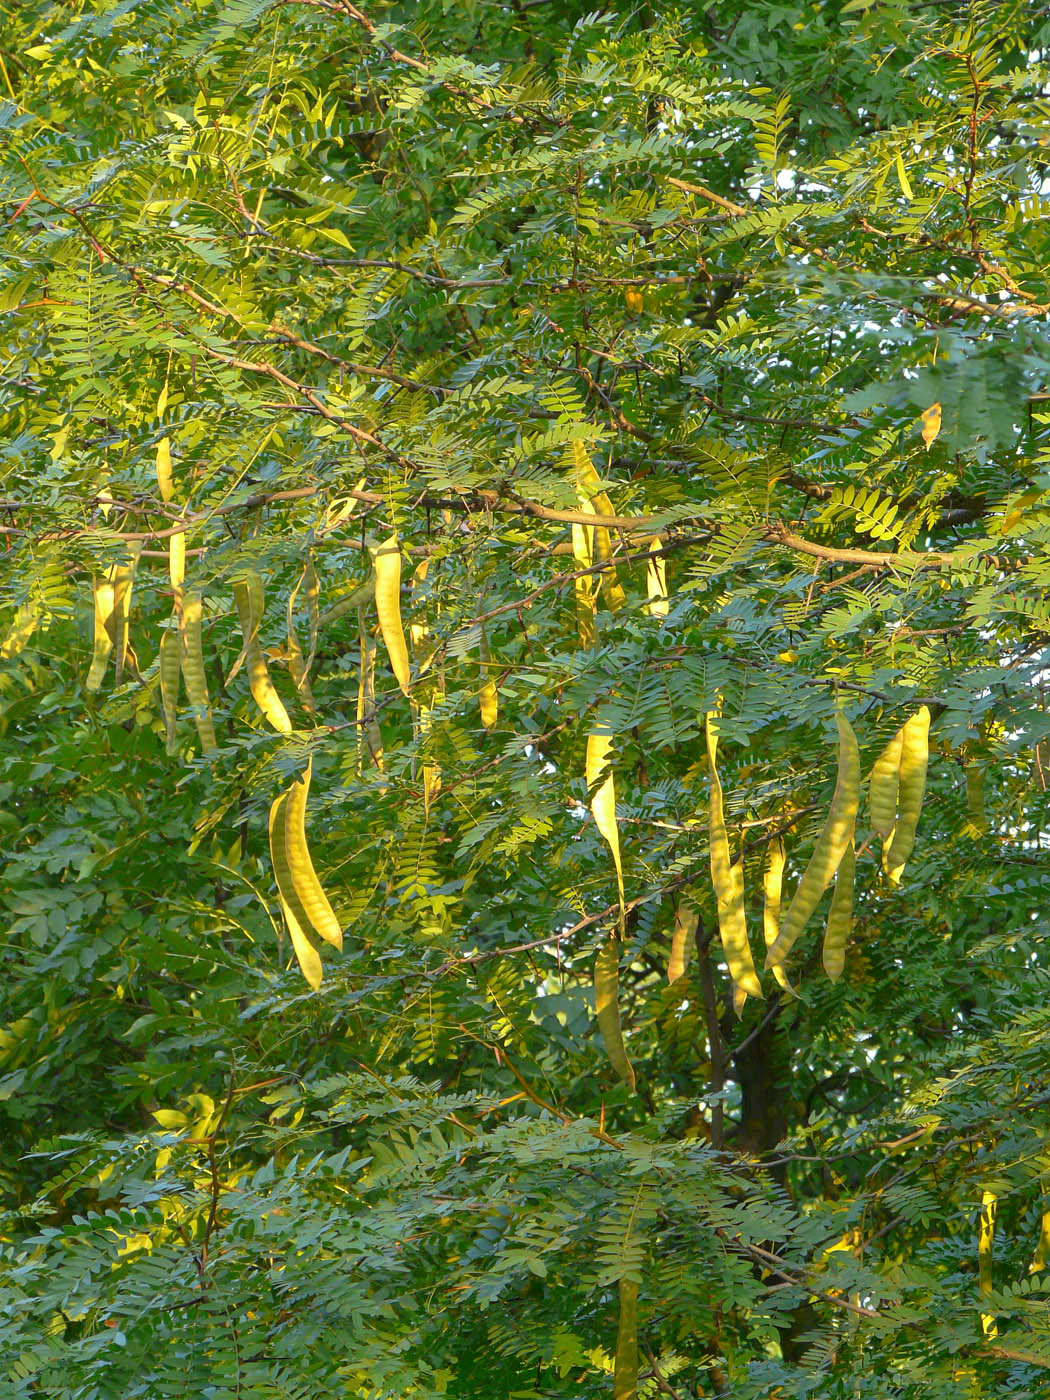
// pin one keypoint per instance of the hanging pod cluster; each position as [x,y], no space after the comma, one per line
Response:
[895,791]
[112,607]
[305,906]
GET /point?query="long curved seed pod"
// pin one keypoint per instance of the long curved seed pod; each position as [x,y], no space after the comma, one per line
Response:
[592,498]
[607,1005]
[772,889]
[104,600]
[488,699]
[840,916]
[686,922]
[977,822]
[250,589]
[319,914]
[603,801]
[883,787]
[25,623]
[369,735]
[915,753]
[387,558]
[250,599]
[164,476]
[169,685]
[1042,1249]
[835,836]
[586,593]
[123,577]
[985,1243]
[656,582]
[192,656]
[728,881]
[625,1365]
[294,915]
[313,609]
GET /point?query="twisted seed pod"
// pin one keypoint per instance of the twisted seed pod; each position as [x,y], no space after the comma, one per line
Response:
[25,623]
[607,1005]
[615,597]
[1042,1248]
[104,601]
[686,922]
[625,1364]
[586,595]
[603,801]
[192,657]
[250,597]
[294,915]
[656,582]
[388,605]
[835,835]
[250,601]
[169,685]
[772,889]
[985,1243]
[728,882]
[320,917]
[915,753]
[883,786]
[840,916]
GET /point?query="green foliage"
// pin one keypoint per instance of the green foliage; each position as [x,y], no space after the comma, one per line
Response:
[687,278]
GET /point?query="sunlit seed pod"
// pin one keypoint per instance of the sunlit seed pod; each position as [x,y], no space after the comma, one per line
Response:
[835,835]
[191,653]
[164,474]
[728,881]
[985,1247]
[103,594]
[387,557]
[615,597]
[294,916]
[607,1006]
[25,623]
[883,788]
[915,753]
[625,1362]
[586,594]
[122,577]
[686,923]
[488,698]
[772,890]
[320,916]
[169,685]
[840,916]
[250,600]
[603,800]
[656,582]
[1042,1249]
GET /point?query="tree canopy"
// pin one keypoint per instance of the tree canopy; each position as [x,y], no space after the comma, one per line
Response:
[523,717]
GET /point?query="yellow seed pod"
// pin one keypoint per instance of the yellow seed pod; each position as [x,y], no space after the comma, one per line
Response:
[369,735]
[586,592]
[772,890]
[883,787]
[294,916]
[320,918]
[25,623]
[164,476]
[123,577]
[835,835]
[615,597]
[985,1244]
[915,753]
[1042,1248]
[625,1364]
[656,582]
[728,881]
[191,652]
[387,558]
[603,801]
[840,916]
[103,592]
[169,685]
[249,597]
[686,923]
[607,1006]
[488,698]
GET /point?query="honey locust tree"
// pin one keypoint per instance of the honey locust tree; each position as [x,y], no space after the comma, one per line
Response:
[581,445]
